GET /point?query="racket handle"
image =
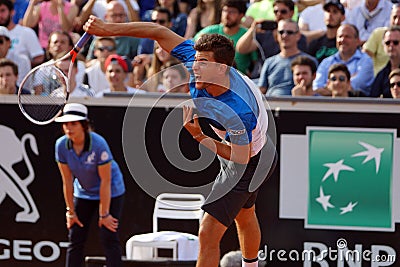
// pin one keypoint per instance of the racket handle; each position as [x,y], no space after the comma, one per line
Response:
[82,41]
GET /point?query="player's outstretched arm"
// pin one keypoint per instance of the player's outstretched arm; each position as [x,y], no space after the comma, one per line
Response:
[167,39]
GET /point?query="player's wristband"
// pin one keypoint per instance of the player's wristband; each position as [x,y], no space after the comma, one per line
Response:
[104,216]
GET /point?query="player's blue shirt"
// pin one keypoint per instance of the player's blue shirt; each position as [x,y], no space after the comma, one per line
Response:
[84,167]
[237,111]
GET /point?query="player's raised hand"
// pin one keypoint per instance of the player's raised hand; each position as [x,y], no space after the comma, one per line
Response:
[193,127]
[96,26]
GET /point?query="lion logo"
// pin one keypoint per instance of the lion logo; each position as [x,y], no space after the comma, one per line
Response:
[11,184]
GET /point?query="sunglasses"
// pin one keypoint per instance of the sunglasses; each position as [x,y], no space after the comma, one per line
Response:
[282,11]
[288,32]
[393,84]
[159,21]
[106,48]
[2,41]
[394,42]
[341,78]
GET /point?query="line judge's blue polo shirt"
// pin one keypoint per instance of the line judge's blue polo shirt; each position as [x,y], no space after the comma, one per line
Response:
[96,152]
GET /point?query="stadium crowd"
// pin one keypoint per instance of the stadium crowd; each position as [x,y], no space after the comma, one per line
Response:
[334,48]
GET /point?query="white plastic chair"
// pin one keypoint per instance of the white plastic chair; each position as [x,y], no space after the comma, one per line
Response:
[168,206]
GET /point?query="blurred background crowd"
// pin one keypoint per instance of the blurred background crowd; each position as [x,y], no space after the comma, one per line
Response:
[333,48]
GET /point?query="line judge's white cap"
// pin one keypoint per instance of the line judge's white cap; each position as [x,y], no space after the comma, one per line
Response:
[73,112]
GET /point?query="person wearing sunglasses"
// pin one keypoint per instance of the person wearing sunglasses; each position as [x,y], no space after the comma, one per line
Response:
[359,63]
[264,40]
[374,46]
[264,10]
[95,72]
[125,45]
[394,82]
[339,81]
[391,39]
[276,77]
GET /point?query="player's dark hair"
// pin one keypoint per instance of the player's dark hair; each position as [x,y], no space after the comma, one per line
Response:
[222,48]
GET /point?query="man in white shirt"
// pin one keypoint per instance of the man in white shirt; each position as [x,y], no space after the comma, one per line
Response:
[23,39]
[22,61]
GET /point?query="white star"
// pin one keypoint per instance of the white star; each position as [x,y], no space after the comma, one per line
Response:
[324,200]
[335,168]
[348,208]
[371,153]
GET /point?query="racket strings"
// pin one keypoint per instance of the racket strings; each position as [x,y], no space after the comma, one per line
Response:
[48,88]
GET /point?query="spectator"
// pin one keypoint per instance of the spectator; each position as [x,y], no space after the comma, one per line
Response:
[374,46]
[304,71]
[60,43]
[263,10]
[267,39]
[232,14]
[23,39]
[325,45]
[391,39]
[22,61]
[50,16]
[9,77]
[178,19]
[206,13]
[368,16]
[76,89]
[276,77]
[126,46]
[359,64]
[339,81]
[394,79]
[95,74]
[117,69]
[99,9]
[159,15]
[160,57]
[175,78]
[311,21]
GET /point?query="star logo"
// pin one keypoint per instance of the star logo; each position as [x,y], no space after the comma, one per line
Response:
[348,208]
[324,200]
[335,168]
[371,153]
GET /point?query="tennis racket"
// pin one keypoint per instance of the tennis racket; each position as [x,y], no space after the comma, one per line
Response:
[48,87]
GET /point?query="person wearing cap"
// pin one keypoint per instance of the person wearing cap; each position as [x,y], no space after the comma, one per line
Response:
[117,69]
[325,46]
[22,61]
[93,185]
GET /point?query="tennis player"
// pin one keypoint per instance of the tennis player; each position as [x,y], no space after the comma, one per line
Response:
[233,106]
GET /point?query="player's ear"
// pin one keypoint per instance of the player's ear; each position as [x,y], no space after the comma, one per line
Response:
[222,68]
